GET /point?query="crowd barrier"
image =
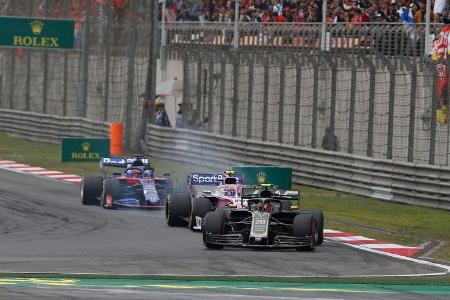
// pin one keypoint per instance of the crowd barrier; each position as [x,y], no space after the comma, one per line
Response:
[49,128]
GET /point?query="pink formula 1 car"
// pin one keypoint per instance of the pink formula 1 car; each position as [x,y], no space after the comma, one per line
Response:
[189,207]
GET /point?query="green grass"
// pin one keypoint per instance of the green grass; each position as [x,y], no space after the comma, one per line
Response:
[391,222]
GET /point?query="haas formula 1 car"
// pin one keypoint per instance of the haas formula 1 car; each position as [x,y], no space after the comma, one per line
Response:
[135,187]
[265,223]
[189,207]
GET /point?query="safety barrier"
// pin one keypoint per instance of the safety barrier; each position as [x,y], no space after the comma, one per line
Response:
[410,183]
[49,128]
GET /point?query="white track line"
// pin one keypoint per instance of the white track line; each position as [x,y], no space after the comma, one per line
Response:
[29,169]
[59,176]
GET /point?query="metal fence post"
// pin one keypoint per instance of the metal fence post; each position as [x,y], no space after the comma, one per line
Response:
[12,84]
[298,91]
[131,55]
[266,99]
[84,65]
[222,96]
[236,66]
[210,91]
[315,103]
[281,105]
[351,117]
[107,43]
[28,81]
[412,111]
[432,152]
[370,126]
[45,84]
[334,66]
[251,69]
[199,85]
[390,137]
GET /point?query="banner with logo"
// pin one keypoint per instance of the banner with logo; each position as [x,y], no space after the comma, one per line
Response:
[36,33]
[84,149]
[256,175]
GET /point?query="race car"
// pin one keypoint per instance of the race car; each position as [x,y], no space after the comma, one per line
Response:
[189,207]
[135,187]
[265,223]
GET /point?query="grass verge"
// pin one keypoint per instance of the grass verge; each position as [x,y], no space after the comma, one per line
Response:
[391,222]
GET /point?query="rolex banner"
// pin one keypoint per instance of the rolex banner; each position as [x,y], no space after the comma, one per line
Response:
[84,149]
[36,33]
[280,177]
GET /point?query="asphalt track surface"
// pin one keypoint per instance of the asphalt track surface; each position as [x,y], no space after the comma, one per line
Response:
[45,228]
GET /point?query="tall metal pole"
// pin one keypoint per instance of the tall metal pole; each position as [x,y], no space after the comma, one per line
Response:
[427,29]
[236,22]
[150,84]
[162,50]
[323,37]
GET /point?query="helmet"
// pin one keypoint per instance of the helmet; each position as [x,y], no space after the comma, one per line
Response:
[134,173]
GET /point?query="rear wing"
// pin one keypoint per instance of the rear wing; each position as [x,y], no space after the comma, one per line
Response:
[213,179]
[251,193]
[124,162]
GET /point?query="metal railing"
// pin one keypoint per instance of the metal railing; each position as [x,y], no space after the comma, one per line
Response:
[380,38]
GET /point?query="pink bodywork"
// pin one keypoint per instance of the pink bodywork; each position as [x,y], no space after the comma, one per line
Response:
[229,195]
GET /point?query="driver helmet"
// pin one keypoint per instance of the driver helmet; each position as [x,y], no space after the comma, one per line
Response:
[229,193]
[134,173]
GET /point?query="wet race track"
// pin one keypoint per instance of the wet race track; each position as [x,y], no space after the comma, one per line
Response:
[45,228]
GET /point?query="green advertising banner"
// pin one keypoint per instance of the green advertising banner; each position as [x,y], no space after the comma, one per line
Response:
[36,33]
[84,149]
[255,175]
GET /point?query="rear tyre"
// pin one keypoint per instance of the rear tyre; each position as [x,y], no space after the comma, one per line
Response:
[214,221]
[305,225]
[318,216]
[111,188]
[91,189]
[200,207]
[178,208]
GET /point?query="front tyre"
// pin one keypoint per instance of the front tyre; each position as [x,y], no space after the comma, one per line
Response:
[178,208]
[213,224]
[318,216]
[91,189]
[200,207]
[305,226]
[111,191]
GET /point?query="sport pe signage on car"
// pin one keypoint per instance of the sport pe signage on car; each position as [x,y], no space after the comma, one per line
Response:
[36,33]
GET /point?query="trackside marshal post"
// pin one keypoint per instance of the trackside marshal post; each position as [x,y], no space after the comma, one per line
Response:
[84,149]
[36,33]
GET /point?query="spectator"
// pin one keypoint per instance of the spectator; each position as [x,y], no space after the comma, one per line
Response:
[438,10]
[180,117]
[161,117]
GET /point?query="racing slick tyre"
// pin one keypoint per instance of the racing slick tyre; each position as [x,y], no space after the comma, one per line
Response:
[111,189]
[318,216]
[305,225]
[213,223]
[200,207]
[178,208]
[91,189]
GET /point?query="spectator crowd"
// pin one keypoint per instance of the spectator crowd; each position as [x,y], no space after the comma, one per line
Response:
[304,11]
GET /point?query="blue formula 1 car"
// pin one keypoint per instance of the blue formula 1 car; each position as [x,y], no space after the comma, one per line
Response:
[135,187]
